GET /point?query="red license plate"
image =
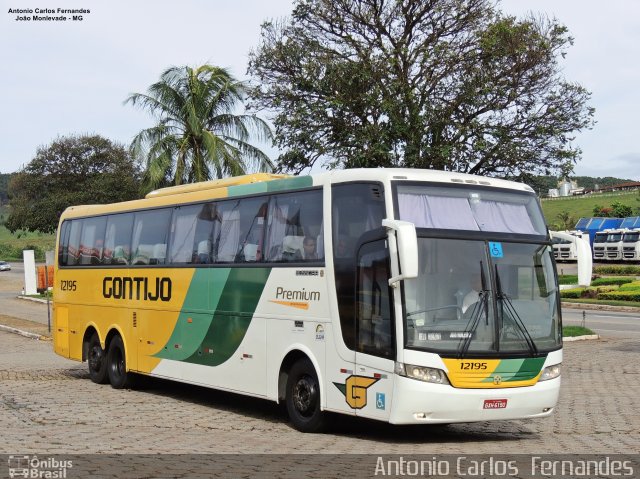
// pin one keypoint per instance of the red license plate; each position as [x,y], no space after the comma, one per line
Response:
[495,403]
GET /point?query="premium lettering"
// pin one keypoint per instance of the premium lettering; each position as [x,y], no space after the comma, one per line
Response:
[301,295]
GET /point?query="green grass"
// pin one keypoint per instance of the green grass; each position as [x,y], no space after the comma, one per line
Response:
[11,245]
[567,279]
[582,206]
[633,304]
[573,331]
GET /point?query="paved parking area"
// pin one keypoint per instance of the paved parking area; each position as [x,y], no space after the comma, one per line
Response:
[48,405]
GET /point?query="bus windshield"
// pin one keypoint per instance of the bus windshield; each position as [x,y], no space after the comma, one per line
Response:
[480,297]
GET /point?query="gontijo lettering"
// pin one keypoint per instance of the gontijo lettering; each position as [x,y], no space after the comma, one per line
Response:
[137,288]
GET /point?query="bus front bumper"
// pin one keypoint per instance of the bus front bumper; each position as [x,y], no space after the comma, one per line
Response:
[417,402]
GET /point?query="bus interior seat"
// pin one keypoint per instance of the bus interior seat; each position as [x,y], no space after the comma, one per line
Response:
[144,253]
[292,248]
[120,255]
[250,252]
[204,252]
[159,254]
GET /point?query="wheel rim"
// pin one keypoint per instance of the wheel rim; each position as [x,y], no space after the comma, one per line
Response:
[305,396]
[117,366]
[96,358]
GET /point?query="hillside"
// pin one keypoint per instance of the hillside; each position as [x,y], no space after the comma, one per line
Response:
[579,206]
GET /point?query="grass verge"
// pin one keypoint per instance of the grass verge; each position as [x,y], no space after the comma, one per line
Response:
[573,331]
[633,304]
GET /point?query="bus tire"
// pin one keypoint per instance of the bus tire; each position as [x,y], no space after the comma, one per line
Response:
[303,398]
[97,360]
[117,364]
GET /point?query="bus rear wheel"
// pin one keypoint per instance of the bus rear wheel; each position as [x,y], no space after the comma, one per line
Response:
[117,365]
[303,398]
[97,360]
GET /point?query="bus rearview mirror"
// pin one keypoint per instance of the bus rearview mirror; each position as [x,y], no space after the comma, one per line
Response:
[407,242]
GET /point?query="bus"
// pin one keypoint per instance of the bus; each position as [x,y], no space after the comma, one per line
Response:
[406,296]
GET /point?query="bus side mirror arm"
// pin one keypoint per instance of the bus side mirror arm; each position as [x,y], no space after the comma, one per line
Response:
[407,242]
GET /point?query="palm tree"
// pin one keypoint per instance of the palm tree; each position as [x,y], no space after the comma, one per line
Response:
[198,137]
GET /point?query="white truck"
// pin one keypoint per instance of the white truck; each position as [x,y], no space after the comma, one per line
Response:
[565,249]
[631,245]
[600,245]
[614,245]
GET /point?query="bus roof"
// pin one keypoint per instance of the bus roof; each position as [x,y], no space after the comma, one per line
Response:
[266,182]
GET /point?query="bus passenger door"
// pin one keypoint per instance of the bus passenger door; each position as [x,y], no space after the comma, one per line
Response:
[375,332]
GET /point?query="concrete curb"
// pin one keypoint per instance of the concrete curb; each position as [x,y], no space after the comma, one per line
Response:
[26,334]
[580,338]
[35,300]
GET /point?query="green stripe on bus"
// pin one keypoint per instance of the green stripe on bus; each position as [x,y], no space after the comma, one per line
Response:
[232,316]
[271,186]
[289,183]
[517,369]
[530,369]
[204,294]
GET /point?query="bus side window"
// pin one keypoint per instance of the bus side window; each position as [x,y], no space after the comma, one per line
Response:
[73,245]
[295,220]
[150,233]
[374,318]
[117,242]
[355,209]
[92,240]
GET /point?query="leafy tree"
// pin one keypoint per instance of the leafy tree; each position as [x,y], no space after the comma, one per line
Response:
[70,171]
[620,210]
[445,84]
[597,210]
[4,188]
[198,136]
[564,221]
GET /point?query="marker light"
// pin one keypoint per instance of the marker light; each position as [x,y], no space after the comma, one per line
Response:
[550,372]
[422,373]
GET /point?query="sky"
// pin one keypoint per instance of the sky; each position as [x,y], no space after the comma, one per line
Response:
[64,78]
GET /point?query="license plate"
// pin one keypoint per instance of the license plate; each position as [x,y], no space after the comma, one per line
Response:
[495,403]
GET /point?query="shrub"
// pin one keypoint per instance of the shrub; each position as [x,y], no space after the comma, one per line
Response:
[572,293]
[620,295]
[617,269]
[611,281]
[634,286]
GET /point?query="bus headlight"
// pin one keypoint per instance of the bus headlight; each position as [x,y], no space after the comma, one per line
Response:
[422,373]
[550,372]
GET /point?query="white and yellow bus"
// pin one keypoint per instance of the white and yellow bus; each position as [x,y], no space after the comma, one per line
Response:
[407,296]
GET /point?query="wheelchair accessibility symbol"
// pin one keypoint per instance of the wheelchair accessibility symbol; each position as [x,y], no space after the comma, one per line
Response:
[380,401]
[495,249]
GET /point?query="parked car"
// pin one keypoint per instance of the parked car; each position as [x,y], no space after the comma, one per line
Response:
[4,266]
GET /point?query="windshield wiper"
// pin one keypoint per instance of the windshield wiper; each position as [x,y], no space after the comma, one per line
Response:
[482,305]
[517,320]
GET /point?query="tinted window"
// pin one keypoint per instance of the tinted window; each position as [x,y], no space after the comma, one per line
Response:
[117,242]
[150,233]
[73,244]
[192,233]
[375,324]
[294,232]
[241,235]
[92,240]
[356,209]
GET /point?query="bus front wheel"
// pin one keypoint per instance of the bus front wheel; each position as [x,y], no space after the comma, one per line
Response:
[117,365]
[303,398]
[97,360]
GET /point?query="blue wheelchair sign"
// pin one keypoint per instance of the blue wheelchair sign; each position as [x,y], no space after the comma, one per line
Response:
[380,402]
[495,249]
